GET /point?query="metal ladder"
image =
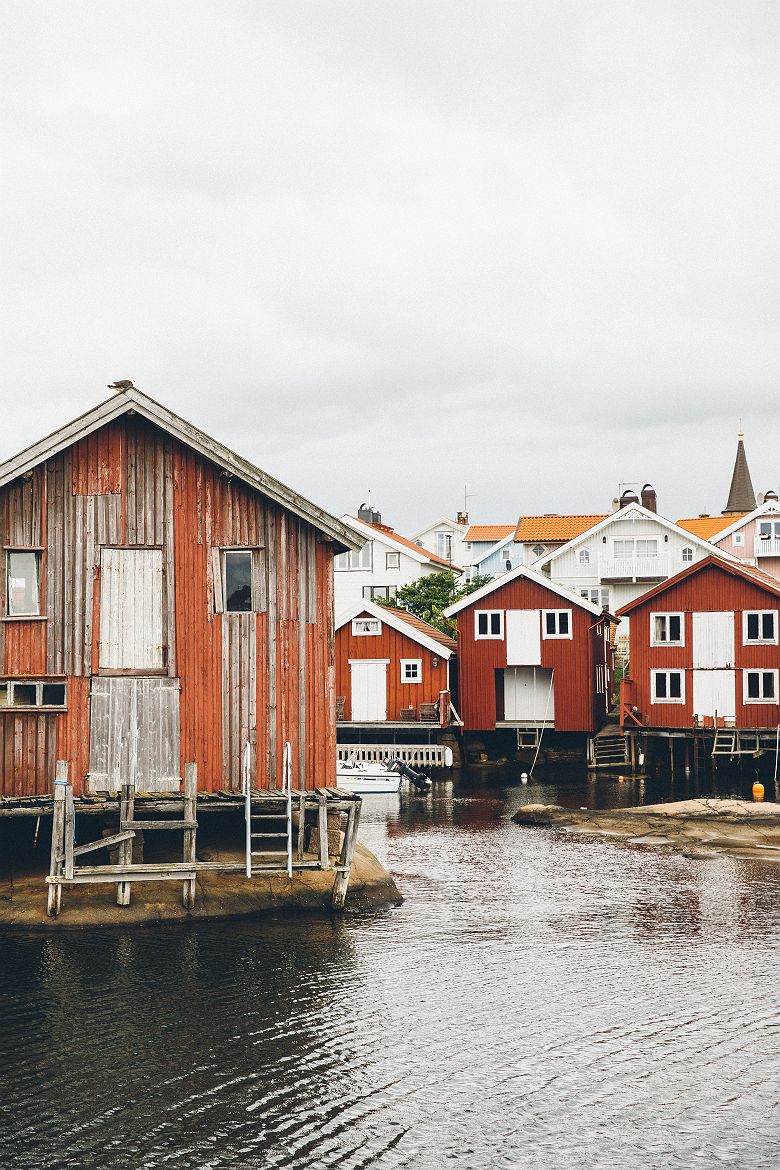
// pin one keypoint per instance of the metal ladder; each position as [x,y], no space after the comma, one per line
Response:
[255,820]
[725,743]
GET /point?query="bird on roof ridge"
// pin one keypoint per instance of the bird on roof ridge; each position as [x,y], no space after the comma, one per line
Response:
[125,384]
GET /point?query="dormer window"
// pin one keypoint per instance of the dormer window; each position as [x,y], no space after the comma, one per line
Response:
[366,627]
[687,555]
[583,556]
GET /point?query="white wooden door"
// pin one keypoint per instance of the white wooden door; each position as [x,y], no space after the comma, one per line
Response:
[715,692]
[713,640]
[369,690]
[529,695]
[134,734]
[523,637]
[131,609]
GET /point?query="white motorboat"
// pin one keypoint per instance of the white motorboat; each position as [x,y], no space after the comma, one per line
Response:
[359,777]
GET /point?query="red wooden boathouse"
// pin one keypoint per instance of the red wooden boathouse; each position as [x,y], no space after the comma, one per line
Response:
[532,654]
[705,651]
[391,667]
[161,600]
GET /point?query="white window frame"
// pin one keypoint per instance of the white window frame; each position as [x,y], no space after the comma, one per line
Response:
[654,641]
[37,555]
[686,560]
[443,542]
[739,538]
[583,556]
[355,561]
[654,699]
[417,663]
[8,685]
[366,633]
[538,550]
[392,560]
[601,685]
[557,613]
[760,614]
[499,637]
[601,598]
[767,702]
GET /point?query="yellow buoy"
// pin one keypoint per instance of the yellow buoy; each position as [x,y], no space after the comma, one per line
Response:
[758,791]
[621,779]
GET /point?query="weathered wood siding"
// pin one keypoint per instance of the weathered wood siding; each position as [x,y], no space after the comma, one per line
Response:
[394,645]
[265,677]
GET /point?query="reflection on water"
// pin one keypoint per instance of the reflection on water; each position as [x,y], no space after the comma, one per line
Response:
[538,1001]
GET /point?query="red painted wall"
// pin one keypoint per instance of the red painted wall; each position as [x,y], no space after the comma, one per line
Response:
[393,645]
[710,590]
[577,706]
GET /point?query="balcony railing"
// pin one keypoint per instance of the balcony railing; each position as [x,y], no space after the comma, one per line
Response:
[634,568]
[767,548]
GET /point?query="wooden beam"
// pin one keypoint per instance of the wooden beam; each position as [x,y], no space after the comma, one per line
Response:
[54,900]
[190,830]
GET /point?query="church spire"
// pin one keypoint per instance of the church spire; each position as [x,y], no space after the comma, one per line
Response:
[742,498]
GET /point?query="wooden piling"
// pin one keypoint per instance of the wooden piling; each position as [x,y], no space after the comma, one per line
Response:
[126,811]
[54,901]
[190,814]
[341,882]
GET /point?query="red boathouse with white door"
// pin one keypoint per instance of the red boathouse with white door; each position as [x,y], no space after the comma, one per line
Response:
[532,655]
[705,651]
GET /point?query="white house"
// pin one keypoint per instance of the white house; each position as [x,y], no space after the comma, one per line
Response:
[537,536]
[385,563]
[753,538]
[445,539]
[481,539]
[624,555]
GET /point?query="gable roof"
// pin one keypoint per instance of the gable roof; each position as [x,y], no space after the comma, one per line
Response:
[131,401]
[488,532]
[560,529]
[736,568]
[405,623]
[454,524]
[531,575]
[768,508]
[623,514]
[415,551]
[706,527]
[494,548]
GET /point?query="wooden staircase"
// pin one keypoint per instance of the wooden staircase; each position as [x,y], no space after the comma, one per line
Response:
[609,750]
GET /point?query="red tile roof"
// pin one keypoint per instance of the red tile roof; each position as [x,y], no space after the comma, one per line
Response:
[488,532]
[424,627]
[705,527]
[553,529]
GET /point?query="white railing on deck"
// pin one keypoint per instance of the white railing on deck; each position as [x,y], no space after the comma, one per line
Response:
[418,755]
[629,568]
[767,548]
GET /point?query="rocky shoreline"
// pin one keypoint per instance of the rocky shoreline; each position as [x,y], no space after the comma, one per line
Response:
[218,895]
[702,828]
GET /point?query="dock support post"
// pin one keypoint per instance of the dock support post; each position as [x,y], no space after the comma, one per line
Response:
[190,835]
[301,822]
[54,901]
[323,826]
[126,811]
[341,883]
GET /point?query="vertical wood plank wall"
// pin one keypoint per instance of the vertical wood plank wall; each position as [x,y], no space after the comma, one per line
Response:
[392,644]
[130,484]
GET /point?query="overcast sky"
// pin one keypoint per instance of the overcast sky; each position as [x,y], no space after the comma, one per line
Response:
[530,248]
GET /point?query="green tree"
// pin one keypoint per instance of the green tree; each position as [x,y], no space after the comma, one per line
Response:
[428,597]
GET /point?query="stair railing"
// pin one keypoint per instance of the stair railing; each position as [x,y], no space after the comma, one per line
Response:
[287,790]
[247,790]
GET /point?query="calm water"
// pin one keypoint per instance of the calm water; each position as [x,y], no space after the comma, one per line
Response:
[538,1001]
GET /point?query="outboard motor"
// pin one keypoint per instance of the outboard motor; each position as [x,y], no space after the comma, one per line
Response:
[420,781]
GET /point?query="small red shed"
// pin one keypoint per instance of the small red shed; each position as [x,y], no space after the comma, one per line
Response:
[532,654]
[704,650]
[391,667]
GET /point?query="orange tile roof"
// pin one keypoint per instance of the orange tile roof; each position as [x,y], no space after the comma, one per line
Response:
[553,529]
[705,527]
[418,548]
[488,532]
[424,627]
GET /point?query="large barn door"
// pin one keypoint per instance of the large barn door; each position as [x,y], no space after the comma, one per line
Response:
[523,637]
[714,692]
[529,695]
[131,609]
[713,640]
[134,734]
[369,690]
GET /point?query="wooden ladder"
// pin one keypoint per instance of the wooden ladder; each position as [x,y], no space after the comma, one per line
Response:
[264,817]
[725,743]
